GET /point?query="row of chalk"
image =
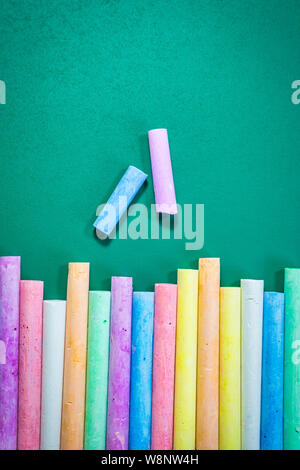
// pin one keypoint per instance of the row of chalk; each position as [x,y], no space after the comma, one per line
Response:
[189,366]
[133,179]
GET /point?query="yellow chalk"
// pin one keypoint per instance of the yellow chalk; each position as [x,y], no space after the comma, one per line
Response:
[186,360]
[230,364]
[207,422]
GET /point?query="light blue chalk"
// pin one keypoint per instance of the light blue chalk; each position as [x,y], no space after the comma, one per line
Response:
[120,199]
[141,371]
[271,435]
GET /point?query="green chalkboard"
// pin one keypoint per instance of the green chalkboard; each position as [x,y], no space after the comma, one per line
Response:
[86,80]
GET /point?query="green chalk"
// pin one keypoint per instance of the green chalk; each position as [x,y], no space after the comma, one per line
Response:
[97,370]
[291,439]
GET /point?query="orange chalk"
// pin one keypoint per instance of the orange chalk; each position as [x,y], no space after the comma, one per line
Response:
[72,427]
[208,355]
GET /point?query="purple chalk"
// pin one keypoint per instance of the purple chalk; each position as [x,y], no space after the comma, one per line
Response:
[9,348]
[163,182]
[119,364]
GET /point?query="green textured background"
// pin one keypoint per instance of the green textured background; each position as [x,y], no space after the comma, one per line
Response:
[87,79]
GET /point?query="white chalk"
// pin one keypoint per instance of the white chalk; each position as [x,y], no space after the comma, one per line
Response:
[54,319]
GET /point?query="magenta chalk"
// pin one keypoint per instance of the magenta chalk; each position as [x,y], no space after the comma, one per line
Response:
[163,182]
[9,350]
[119,364]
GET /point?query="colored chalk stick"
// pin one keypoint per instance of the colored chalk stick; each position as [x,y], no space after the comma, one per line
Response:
[252,323]
[97,370]
[186,360]
[230,369]
[291,437]
[120,199]
[119,364]
[163,366]
[164,191]
[9,345]
[30,364]
[141,371]
[73,403]
[271,431]
[54,318]
[208,354]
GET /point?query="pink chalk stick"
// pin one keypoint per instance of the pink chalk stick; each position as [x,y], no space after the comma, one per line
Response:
[163,366]
[119,364]
[163,182]
[30,361]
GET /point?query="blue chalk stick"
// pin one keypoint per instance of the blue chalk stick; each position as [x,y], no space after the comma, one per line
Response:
[141,371]
[271,432]
[120,199]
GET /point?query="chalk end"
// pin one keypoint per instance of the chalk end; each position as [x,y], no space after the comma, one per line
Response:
[138,171]
[160,130]
[166,208]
